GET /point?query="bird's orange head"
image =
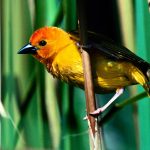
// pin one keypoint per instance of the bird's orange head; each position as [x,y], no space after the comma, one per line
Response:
[46,42]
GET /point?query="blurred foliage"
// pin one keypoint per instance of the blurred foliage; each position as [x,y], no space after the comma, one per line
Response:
[143,49]
[47,114]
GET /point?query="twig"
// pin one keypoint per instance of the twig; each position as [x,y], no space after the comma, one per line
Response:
[95,138]
[88,84]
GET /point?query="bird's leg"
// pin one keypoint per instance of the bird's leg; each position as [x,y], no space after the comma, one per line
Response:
[99,110]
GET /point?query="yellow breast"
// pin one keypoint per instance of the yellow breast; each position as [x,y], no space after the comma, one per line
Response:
[67,65]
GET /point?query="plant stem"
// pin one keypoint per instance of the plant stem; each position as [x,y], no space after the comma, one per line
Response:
[88,84]
[95,138]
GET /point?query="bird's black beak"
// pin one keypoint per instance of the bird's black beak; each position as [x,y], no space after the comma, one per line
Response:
[28,49]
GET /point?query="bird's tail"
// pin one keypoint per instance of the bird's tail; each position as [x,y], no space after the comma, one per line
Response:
[142,79]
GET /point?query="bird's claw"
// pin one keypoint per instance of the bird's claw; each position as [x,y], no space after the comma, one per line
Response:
[85,118]
[97,112]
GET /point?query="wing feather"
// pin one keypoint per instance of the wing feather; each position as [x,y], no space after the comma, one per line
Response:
[112,50]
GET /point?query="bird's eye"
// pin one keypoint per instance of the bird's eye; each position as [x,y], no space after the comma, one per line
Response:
[42,43]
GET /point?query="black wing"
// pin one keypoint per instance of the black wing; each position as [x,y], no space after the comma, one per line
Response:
[112,50]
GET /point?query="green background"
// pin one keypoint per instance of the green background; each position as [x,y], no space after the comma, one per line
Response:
[45,113]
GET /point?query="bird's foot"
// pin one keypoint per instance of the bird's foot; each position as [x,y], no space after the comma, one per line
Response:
[97,112]
[102,109]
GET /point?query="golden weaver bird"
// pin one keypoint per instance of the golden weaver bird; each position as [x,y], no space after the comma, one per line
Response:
[113,66]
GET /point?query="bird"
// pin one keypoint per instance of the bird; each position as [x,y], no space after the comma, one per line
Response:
[114,67]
